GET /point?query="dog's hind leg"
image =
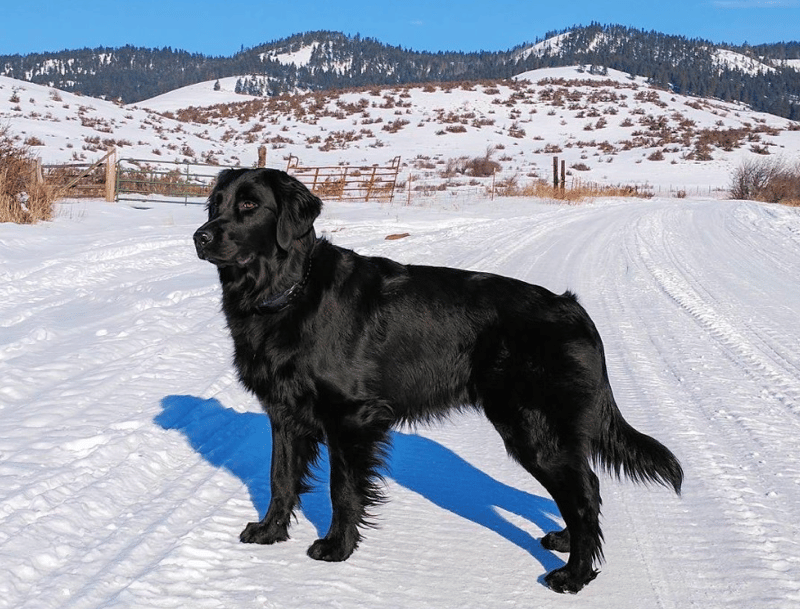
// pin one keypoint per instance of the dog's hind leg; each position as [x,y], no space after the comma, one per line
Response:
[563,469]
[576,491]
[292,455]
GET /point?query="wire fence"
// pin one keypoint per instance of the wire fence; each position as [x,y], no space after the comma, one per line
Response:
[151,180]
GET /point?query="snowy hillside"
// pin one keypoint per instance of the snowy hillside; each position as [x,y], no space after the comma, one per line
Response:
[723,58]
[130,458]
[610,129]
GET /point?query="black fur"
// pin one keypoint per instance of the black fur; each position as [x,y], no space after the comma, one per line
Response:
[340,347]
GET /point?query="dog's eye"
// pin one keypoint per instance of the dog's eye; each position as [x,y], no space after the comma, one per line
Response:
[247,205]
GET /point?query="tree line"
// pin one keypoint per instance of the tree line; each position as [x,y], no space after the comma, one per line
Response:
[334,60]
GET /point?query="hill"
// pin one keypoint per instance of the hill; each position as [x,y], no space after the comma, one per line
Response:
[609,128]
[765,77]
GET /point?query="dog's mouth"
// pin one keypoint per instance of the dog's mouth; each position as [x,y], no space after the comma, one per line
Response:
[245,259]
[241,260]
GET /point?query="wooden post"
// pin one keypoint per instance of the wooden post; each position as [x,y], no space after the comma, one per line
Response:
[555,172]
[111,175]
[371,183]
[344,182]
[38,177]
[262,156]
[563,175]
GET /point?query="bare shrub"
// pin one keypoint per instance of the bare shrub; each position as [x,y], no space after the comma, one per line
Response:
[477,167]
[515,131]
[23,199]
[767,180]
[482,167]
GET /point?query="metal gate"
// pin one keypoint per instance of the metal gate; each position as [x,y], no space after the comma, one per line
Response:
[361,183]
[148,180]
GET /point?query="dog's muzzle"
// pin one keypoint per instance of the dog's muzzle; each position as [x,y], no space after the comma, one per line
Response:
[202,238]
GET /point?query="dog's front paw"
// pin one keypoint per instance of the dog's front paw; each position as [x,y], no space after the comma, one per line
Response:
[557,541]
[264,533]
[564,581]
[326,549]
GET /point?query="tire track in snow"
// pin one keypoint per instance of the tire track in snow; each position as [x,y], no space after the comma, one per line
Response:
[95,368]
[725,462]
[751,351]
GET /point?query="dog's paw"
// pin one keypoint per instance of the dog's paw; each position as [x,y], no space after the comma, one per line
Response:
[564,581]
[557,541]
[261,533]
[326,549]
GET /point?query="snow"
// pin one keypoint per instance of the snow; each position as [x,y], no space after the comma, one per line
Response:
[202,94]
[552,46]
[130,457]
[301,57]
[723,57]
[738,61]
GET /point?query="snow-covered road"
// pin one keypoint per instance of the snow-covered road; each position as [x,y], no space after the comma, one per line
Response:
[130,458]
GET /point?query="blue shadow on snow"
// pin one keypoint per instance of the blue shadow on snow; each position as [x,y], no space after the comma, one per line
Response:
[241,443]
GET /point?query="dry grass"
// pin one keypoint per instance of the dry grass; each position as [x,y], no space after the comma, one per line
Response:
[576,192]
[23,199]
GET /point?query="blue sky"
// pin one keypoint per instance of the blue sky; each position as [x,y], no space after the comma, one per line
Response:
[222,28]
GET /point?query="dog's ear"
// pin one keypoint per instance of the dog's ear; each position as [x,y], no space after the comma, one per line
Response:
[298,207]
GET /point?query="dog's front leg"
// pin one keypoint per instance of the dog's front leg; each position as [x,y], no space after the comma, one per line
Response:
[355,456]
[292,454]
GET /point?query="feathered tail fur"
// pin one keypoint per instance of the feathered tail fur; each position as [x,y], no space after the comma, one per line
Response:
[621,449]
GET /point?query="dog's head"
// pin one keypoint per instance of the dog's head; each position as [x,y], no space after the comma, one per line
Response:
[253,215]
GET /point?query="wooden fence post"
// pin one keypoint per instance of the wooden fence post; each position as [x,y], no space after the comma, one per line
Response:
[563,175]
[38,177]
[262,156]
[555,172]
[111,174]
[371,183]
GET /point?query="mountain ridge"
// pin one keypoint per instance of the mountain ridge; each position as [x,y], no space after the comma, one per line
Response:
[765,77]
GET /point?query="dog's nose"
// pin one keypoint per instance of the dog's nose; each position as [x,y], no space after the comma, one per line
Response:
[202,238]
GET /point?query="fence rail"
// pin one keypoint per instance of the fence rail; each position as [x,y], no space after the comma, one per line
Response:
[362,183]
[151,181]
[81,179]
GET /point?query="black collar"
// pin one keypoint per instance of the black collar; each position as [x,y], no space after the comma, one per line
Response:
[278,302]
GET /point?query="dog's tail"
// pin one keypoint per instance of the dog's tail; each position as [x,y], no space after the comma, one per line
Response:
[621,449]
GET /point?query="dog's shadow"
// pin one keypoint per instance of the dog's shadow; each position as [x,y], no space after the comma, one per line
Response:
[241,443]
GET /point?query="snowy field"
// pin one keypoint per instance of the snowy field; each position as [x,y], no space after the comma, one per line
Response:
[130,458]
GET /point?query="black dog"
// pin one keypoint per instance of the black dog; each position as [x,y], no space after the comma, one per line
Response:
[340,347]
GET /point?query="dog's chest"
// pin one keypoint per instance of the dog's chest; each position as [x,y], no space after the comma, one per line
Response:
[266,361]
